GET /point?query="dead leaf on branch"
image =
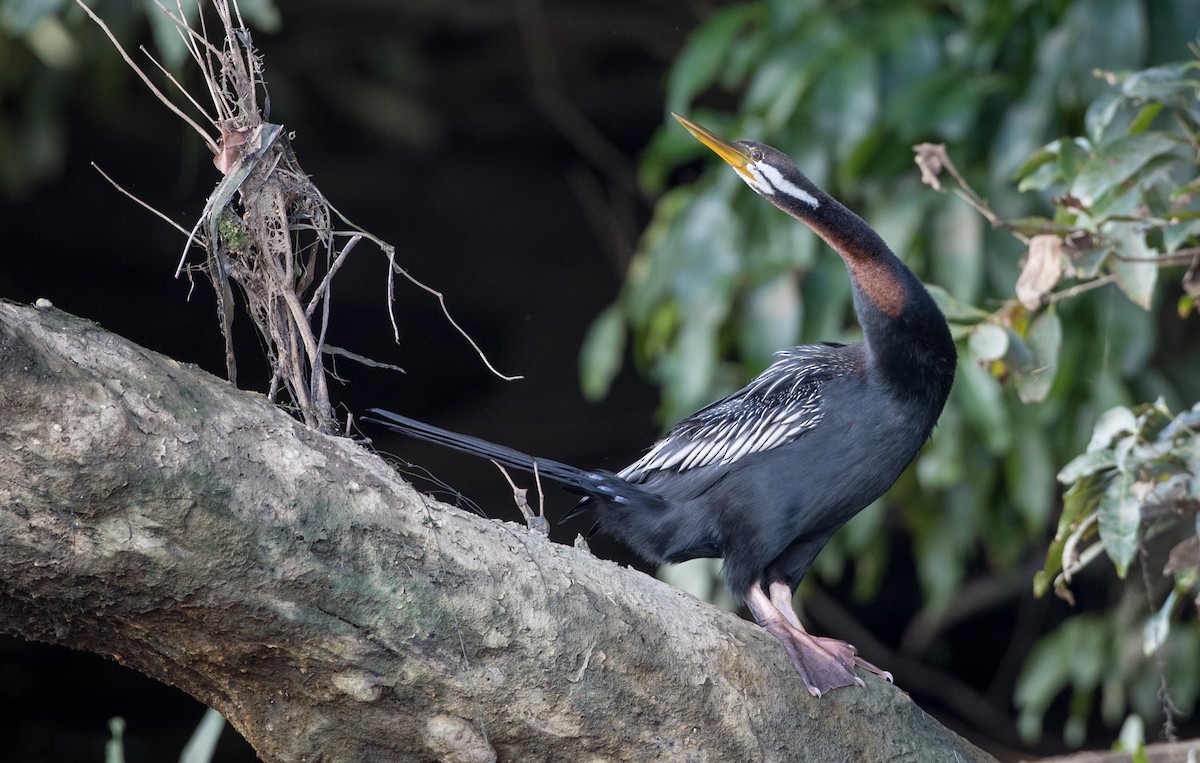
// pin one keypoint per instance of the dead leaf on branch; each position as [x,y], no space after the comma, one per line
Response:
[1042,270]
[931,158]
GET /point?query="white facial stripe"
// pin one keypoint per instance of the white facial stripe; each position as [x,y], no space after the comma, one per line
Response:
[772,179]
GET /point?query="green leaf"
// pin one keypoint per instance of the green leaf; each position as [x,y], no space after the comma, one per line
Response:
[1137,275]
[1129,338]
[1100,115]
[1158,626]
[18,18]
[771,318]
[1019,359]
[167,39]
[658,330]
[1113,422]
[745,53]
[1042,178]
[1145,117]
[988,342]
[1020,126]
[982,403]
[689,366]
[602,353]
[827,297]
[1160,83]
[1045,343]
[941,464]
[958,256]
[1120,517]
[1057,161]
[1072,156]
[1113,164]
[1183,228]
[702,58]
[777,85]
[666,151]
[913,45]
[784,244]
[1122,36]
[1044,155]
[1089,657]
[1132,739]
[659,256]
[1137,194]
[1086,464]
[1186,306]
[1043,676]
[939,562]
[954,310]
[848,97]
[1078,507]
[1030,477]
[899,220]
[1087,262]
[1042,580]
[1080,708]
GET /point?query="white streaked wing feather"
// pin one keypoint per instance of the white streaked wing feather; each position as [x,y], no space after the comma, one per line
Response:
[778,406]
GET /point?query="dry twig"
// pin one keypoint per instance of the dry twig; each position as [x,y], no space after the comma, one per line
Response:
[537,521]
[266,228]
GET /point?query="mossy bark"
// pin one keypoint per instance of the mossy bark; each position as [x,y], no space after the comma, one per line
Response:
[291,580]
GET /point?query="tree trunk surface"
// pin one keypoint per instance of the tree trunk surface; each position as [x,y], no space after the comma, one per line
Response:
[292,580]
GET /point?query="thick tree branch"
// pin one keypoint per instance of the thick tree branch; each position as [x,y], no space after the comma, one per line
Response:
[290,579]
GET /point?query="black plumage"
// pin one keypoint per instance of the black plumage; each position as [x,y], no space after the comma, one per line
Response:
[766,475]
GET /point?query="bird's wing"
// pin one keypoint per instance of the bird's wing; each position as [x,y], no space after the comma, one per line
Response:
[781,404]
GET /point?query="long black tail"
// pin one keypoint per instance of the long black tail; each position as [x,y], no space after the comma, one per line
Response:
[600,485]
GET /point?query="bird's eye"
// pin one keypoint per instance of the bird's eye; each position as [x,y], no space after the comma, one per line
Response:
[756,155]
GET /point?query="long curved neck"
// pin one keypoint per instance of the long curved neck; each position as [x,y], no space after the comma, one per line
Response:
[905,333]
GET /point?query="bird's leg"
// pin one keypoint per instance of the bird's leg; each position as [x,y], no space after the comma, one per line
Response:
[781,598]
[819,667]
[823,663]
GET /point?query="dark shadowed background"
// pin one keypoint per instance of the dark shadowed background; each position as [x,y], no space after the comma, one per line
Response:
[494,144]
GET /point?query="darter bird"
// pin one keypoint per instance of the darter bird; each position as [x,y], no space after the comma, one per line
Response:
[765,476]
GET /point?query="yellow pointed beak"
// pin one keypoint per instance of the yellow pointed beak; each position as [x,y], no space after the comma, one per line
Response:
[737,156]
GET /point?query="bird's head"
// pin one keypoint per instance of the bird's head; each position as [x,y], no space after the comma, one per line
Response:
[767,170]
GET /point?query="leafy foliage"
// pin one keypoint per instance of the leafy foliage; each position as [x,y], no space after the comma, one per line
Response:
[720,280]
[1134,491]
[1129,186]
[1126,207]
